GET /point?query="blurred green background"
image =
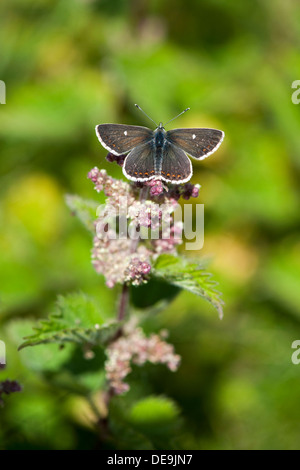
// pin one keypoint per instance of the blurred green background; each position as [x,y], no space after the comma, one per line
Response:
[69,65]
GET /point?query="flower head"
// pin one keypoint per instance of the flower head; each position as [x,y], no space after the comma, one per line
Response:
[132,231]
[135,348]
[7,387]
[119,159]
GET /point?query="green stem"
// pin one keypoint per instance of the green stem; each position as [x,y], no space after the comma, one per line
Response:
[123,302]
[123,306]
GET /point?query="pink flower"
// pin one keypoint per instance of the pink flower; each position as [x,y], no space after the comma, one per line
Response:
[131,232]
[156,187]
[135,348]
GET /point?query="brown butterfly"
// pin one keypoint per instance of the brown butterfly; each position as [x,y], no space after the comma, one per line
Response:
[159,154]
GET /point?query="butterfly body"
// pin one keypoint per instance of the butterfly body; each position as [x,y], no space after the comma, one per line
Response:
[159,136]
[158,154]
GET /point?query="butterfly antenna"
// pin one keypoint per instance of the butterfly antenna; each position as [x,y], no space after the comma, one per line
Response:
[145,113]
[187,109]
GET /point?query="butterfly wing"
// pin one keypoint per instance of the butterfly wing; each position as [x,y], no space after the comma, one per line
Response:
[119,138]
[139,164]
[176,166]
[198,143]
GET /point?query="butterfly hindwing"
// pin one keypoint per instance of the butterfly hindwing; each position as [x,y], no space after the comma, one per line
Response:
[176,166]
[139,163]
[120,138]
[198,143]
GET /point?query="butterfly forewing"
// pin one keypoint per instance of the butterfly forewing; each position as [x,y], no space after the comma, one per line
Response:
[119,138]
[176,166]
[139,163]
[198,143]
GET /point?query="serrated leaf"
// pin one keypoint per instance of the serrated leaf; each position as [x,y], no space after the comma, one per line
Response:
[47,357]
[189,276]
[84,209]
[76,319]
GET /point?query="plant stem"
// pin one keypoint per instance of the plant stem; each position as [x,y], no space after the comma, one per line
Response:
[125,289]
[123,302]
[122,310]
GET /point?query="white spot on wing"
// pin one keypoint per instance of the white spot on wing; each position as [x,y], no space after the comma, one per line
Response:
[125,132]
[194,136]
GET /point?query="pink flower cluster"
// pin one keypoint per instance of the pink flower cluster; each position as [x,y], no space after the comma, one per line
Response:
[113,189]
[128,259]
[113,258]
[156,187]
[137,271]
[135,348]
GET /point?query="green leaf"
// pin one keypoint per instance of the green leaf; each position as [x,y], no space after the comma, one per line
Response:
[189,276]
[84,209]
[50,357]
[153,292]
[154,415]
[76,319]
[124,434]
